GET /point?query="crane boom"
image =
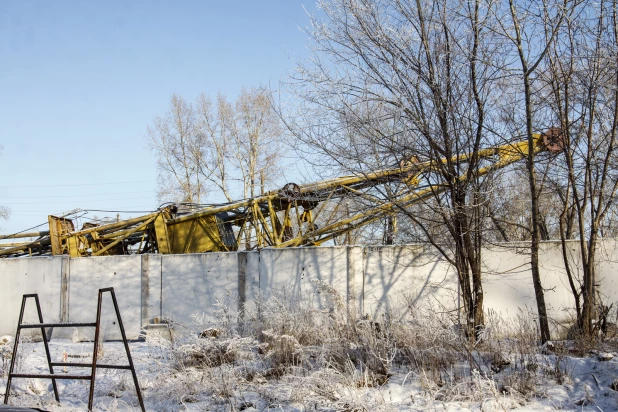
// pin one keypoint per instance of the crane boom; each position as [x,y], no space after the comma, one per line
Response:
[281,218]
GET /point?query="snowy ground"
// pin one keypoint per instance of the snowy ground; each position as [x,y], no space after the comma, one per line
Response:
[232,386]
[293,357]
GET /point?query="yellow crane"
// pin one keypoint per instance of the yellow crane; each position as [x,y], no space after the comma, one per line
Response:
[277,219]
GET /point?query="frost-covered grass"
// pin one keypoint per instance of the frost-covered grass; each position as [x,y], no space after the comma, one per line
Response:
[295,358]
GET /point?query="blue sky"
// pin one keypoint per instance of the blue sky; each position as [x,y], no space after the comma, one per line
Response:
[80,81]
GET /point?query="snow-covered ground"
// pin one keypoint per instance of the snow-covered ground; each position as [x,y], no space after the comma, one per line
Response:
[246,385]
[296,358]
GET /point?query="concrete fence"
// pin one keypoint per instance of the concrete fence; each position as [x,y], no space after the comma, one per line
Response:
[373,280]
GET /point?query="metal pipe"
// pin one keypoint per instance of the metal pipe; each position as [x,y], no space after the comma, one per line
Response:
[6,245]
[512,154]
[41,242]
[231,206]
[130,232]
[111,226]
[25,234]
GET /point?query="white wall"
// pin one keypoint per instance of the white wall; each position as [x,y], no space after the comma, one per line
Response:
[152,273]
[25,276]
[607,271]
[398,278]
[374,280]
[192,284]
[88,275]
[508,288]
[291,271]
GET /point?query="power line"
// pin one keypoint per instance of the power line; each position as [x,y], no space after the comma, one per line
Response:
[80,184]
[38,212]
[74,201]
[119,211]
[65,196]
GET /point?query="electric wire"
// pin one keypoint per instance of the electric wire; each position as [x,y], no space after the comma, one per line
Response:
[82,184]
[76,201]
[80,195]
[119,211]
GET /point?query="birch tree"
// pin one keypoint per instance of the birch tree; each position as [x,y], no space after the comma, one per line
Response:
[228,150]
[175,140]
[257,138]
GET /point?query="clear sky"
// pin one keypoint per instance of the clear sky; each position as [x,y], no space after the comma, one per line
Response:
[81,80]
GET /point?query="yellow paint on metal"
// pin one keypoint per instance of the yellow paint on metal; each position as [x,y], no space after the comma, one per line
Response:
[160,227]
[194,236]
[257,218]
[58,226]
[73,247]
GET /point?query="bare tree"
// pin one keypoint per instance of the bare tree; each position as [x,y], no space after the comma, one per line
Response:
[226,149]
[396,81]
[174,139]
[215,124]
[256,138]
[530,28]
[582,87]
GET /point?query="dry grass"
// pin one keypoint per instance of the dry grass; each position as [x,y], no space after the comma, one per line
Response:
[291,352]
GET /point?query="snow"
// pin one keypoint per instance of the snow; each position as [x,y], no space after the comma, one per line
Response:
[293,357]
[243,384]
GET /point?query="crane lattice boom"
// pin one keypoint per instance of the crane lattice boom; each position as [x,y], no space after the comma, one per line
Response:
[281,218]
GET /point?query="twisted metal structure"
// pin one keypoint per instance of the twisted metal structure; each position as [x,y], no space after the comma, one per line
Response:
[277,219]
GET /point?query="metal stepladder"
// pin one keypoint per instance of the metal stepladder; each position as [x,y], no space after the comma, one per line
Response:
[93,366]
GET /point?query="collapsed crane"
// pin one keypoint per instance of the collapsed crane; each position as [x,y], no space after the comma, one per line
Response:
[277,219]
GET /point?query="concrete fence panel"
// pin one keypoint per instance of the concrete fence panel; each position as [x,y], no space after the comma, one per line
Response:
[607,273]
[193,284]
[399,278]
[290,273]
[25,276]
[88,275]
[372,280]
[508,287]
